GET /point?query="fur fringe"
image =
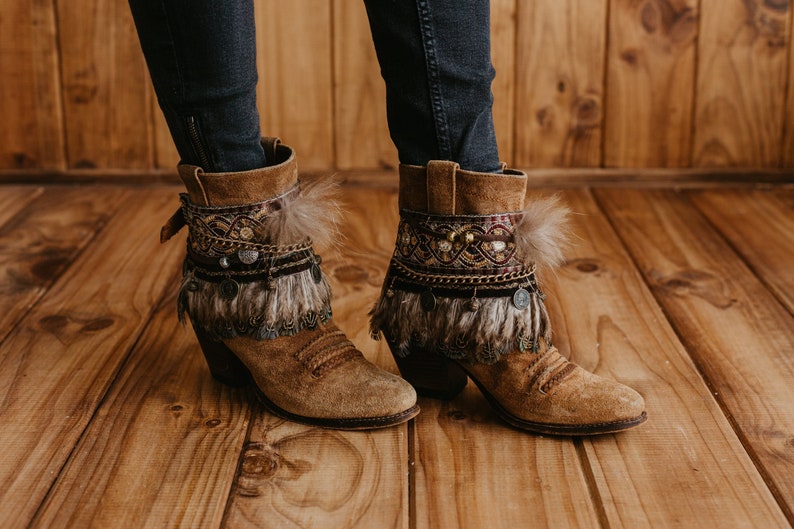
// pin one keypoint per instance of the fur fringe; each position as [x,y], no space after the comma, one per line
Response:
[541,233]
[295,302]
[314,213]
[496,328]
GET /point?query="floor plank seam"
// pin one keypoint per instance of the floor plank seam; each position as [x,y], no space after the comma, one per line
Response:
[742,257]
[715,394]
[164,297]
[592,485]
[250,409]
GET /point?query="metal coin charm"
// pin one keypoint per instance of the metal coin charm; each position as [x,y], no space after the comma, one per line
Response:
[521,299]
[229,289]
[427,300]
[224,262]
[248,256]
[473,304]
[317,274]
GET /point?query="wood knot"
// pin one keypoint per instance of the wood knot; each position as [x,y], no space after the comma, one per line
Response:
[212,423]
[698,283]
[587,266]
[630,56]
[650,17]
[587,111]
[97,324]
[545,117]
[456,415]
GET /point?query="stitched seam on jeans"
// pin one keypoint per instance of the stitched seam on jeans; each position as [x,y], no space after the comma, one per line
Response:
[434,85]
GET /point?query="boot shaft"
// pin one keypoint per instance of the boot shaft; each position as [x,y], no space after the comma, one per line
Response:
[444,188]
[244,187]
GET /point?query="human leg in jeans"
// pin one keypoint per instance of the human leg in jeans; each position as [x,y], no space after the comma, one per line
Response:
[252,284]
[461,298]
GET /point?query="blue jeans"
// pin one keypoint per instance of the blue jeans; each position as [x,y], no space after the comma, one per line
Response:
[434,57]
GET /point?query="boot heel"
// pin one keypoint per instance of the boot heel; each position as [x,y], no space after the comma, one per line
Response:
[223,363]
[432,375]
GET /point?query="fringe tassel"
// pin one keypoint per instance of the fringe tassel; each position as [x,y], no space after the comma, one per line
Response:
[295,302]
[452,329]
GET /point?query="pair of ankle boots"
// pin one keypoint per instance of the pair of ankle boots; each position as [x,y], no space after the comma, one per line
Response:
[461,300]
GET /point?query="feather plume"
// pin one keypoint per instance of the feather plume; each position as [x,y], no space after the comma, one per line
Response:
[541,233]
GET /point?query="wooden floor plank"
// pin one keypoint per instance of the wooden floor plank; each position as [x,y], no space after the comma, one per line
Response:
[738,334]
[295,476]
[39,242]
[58,363]
[163,448]
[759,224]
[15,198]
[473,471]
[685,467]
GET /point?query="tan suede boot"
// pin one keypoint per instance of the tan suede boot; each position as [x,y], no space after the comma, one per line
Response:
[461,299]
[260,305]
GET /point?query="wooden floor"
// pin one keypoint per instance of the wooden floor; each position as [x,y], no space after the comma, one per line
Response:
[109,418]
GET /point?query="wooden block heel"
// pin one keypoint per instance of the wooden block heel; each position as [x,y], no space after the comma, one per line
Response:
[432,375]
[223,363]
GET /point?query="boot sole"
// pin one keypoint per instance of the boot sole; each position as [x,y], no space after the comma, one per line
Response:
[557,429]
[363,423]
[423,368]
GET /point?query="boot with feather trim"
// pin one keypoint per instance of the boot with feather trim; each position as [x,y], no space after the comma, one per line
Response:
[260,303]
[461,300]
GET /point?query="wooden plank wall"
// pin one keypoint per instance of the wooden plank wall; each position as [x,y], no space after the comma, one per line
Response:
[580,83]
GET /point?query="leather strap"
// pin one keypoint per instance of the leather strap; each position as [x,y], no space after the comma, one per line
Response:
[441,184]
[270,146]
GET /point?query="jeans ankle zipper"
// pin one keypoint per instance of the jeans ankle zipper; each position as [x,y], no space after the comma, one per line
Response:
[198,146]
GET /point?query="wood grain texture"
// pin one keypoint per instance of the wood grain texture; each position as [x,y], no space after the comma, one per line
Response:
[760,226]
[107,100]
[788,120]
[503,56]
[58,363]
[41,241]
[737,333]
[361,132]
[32,134]
[295,476]
[474,471]
[295,90]
[13,199]
[675,466]
[559,82]
[741,85]
[650,83]
[163,447]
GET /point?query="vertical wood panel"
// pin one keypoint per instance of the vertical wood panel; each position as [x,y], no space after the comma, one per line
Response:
[360,128]
[503,56]
[295,91]
[106,96]
[742,53]
[788,124]
[559,82]
[650,83]
[30,97]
